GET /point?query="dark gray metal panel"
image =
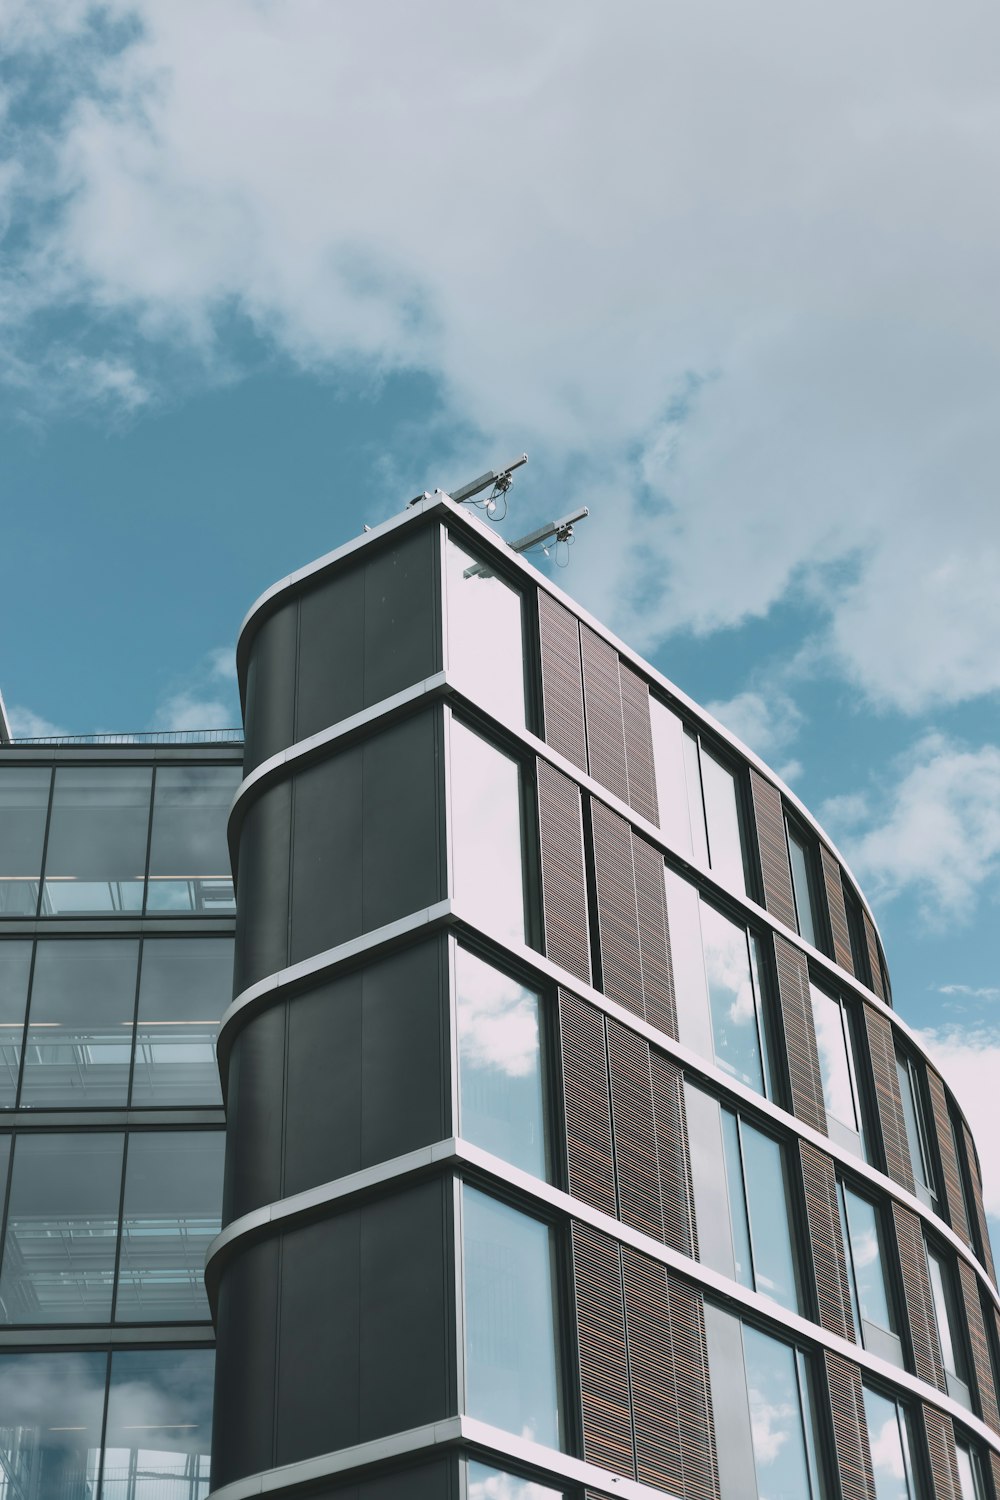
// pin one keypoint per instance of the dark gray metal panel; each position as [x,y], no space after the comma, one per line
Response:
[245,1365]
[323,1101]
[403,1054]
[317,1397]
[436,1480]
[331,656]
[262,909]
[270,700]
[402,636]
[406,1366]
[400,863]
[326,854]
[253,1134]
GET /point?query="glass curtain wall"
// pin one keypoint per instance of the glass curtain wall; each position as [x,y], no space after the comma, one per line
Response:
[485,635]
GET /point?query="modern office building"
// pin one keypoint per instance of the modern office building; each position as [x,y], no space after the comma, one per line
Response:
[573,1146]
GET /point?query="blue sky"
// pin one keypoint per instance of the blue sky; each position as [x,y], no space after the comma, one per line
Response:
[269,269]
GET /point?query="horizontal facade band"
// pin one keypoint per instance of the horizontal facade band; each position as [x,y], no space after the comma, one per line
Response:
[164,1117]
[458,1155]
[189,924]
[440,504]
[447,915]
[27,1340]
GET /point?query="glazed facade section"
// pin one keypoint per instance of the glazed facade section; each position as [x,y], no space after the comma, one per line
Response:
[116,954]
[573,1145]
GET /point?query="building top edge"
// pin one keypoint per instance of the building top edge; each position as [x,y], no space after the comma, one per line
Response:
[5,734]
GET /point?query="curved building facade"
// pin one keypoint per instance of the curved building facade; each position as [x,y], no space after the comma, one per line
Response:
[573,1145]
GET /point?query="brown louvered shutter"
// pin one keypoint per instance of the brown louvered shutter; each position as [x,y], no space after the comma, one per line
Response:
[673,1154]
[617,914]
[773,849]
[948,1156]
[976,1183]
[940,1434]
[981,1362]
[600,1330]
[995,1470]
[850,1429]
[634,1132]
[602,699]
[873,957]
[800,1034]
[587,1104]
[838,911]
[564,881]
[917,1296]
[882,1052]
[694,1397]
[654,937]
[562,680]
[826,1240]
[638,744]
[651,1373]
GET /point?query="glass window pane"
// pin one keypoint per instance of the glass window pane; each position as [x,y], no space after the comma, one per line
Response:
[189,866]
[485,828]
[485,636]
[80,1023]
[173,1205]
[731,998]
[500,1064]
[916,1135]
[770,1217]
[24,801]
[867,1260]
[510,1328]
[185,985]
[687,953]
[96,857]
[738,1223]
[946,1314]
[492,1484]
[51,1409]
[724,1341]
[708,1176]
[62,1228]
[889,1442]
[970,1474]
[15,968]
[776,1418]
[159,1433]
[695,799]
[671,777]
[834,1062]
[799,858]
[725,846]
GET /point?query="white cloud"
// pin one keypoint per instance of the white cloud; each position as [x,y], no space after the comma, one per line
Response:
[208,700]
[222,663]
[970,1062]
[986,992]
[25,724]
[183,711]
[935,835]
[733,283]
[767,721]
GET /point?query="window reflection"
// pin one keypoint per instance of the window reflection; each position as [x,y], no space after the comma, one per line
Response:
[510,1328]
[836,1065]
[173,1198]
[949,1325]
[15,968]
[698,799]
[24,802]
[79,1043]
[51,1409]
[189,866]
[917,1138]
[97,840]
[185,985]
[486,840]
[62,1228]
[970,1473]
[871,1302]
[800,857]
[159,1431]
[889,1439]
[500,1064]
[485,635]
[485,1483]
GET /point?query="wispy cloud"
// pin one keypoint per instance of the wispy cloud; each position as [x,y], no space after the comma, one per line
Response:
[25,724]
[969,1059]
[199,703]
[984,992]
[768,720]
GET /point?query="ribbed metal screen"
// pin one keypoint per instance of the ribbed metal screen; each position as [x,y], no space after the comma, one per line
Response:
[638,744]
[587,1103]
[600,1323]
[651,1370]
[634,1130]
[873,958]
[617,911]
[826,1241]
[977,1201]
[673,1155]
[981,1362]
[654,937]
[603,709]
[917,1296]
[564,882]
[950,1169]
[939,1431]
[850,1430]
[773,849]
[833,885]
[562,680]
[800,1034]
[882,1053]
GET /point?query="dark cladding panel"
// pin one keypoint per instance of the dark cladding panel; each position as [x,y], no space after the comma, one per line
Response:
[245,1365]
[603,704]
[917,1297]
[981,1361]
[564,881]
[405,1362]
[659,1460]
[254,1114]
[401,867]
[634,1132]
[638,744]
[403,1053]
[850,1429]
[773,849]
[262,908]
[323,1088]
[317,1397]
[838,912]
[587,1101]
[604,1383]
[402,595]
[270,687]
[800,1034]
[826,1241]
[617,913]
[562,682]
[326,854]
[882,1052]
[654,937]
[331,658]
[950,1169]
